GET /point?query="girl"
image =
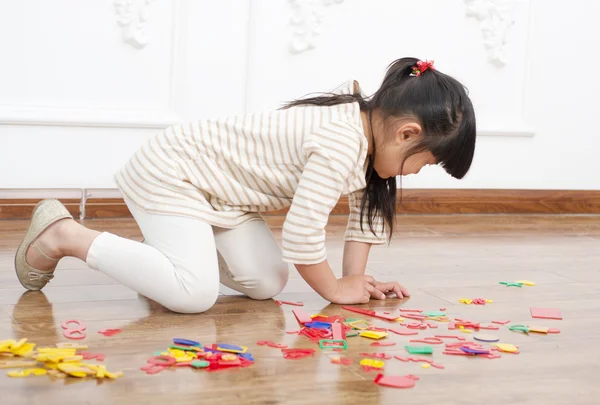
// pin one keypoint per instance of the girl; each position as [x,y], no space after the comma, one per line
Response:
[196,191]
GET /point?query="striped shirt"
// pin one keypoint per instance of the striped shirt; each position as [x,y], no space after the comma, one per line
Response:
[226,171]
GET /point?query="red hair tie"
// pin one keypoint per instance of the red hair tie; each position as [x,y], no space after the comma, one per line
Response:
[421,67]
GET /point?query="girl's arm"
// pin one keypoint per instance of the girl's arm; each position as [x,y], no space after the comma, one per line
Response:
[320,278]
[352,289]
[355,257]
[355,263]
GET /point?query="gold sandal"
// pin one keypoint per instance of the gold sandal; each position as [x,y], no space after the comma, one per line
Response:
[45,213]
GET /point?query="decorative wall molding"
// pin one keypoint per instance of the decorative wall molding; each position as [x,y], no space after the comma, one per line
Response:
[124,117]
[16,114]
[495,17]
[518,132]
[131,17]
[306,20]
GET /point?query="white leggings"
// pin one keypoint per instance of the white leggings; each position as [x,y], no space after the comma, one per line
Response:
[182,261]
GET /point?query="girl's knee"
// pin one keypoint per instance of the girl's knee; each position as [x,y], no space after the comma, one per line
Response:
[271,283]
[194,302]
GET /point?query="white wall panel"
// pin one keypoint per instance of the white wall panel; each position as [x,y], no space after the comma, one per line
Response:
[82,84]
[87,83]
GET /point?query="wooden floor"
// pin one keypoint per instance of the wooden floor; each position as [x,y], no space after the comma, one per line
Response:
[439,258]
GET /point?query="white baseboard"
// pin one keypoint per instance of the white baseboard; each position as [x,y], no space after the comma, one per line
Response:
[102,193]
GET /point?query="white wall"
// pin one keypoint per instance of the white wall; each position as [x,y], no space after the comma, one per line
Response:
[82,84]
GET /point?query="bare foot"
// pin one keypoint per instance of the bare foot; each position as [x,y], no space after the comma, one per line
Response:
[45,252]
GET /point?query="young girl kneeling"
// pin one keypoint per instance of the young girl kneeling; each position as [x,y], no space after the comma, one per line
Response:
[196,191]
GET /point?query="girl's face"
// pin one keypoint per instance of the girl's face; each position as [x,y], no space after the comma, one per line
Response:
[389,158]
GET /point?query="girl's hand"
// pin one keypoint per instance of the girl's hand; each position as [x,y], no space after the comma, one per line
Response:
[355,289]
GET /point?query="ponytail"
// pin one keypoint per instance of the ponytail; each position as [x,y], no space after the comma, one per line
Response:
[330,99]
[378,199]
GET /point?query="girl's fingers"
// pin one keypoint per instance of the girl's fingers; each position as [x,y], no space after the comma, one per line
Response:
[366,297]
[400,290]
[377,294]
[394,287]
[404,290]
[374,292]
[397,289]
[385,286]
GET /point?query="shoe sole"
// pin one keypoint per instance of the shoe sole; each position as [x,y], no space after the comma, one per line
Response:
[21,246]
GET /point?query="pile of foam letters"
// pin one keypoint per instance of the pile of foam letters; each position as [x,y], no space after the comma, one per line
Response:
[332,332]
[189,353]
[57,362]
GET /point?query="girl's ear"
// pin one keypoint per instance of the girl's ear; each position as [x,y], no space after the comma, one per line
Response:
[409,131]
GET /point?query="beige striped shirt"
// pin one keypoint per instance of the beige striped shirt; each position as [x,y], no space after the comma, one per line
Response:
[226,171]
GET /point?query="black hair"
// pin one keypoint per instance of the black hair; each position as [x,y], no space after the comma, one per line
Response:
[442,107]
